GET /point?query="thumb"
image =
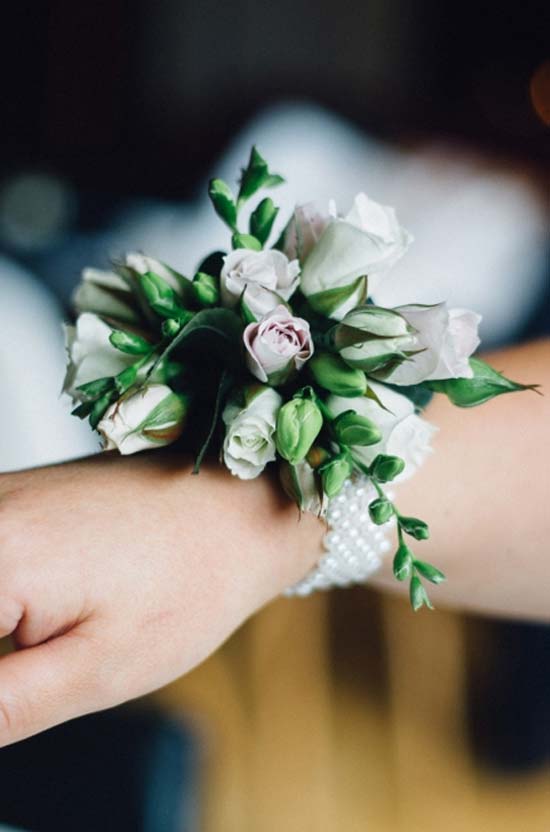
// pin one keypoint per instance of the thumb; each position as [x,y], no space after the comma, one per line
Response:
[47,684]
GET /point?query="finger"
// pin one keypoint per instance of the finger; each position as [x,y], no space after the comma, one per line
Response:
[48,684]
[11,613]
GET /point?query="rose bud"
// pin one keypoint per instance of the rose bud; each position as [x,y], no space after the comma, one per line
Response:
[151,417]
[415,527]
[298,424]
[380,511]
[277,345]
[386,338]
[385,468]
[206,289]
[249,438]
[334,474]
[353,429]
[332,373]
[403,563]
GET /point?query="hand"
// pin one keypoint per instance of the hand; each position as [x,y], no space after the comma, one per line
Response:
[118,575]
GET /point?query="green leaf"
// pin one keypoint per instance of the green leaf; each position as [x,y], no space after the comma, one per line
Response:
[403,563]
[223,201]
[329,300]
[93,389]
[419,394]
[126,378]
[262,219]
[255,176]
[222,325]
[128,342]
[245,241]
[418,595]
[212,263]
[83,410]
[485,385]
[223,389]
[99,409]
[429,572]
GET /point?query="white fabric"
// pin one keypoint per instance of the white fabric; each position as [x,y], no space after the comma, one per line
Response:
[36,427]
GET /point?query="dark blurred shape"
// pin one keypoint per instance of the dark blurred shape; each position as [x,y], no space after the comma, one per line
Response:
[139,98]
[509,705]
[118,771]
[540,92]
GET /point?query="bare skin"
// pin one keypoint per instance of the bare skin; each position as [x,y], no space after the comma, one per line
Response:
[101,614]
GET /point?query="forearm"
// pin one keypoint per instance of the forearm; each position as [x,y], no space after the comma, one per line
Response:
[486,495]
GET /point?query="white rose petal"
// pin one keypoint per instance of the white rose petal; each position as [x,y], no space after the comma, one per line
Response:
[403,432]
[140,422]
[250,434]
[91,354]
[105,293]
[368,241]
[445,339]
[263,276]
[304,231]
[143,264]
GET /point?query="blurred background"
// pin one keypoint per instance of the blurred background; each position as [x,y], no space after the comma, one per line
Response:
[339,712]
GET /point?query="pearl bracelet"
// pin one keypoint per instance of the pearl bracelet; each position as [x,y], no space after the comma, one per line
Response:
[354,545]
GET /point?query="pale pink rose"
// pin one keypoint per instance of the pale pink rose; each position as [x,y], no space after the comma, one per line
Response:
[304,230]
[276,345]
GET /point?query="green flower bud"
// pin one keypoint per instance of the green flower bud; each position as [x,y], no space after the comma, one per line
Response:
[403,563]
[170,327]
[334,474]
[418,595]
[332,373]
[380,510]
[429,572]
[298,424]
[351,428]
[385,468]
[206,289]
[415,527]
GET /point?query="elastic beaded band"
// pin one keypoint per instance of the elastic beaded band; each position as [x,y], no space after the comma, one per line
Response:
[354,544]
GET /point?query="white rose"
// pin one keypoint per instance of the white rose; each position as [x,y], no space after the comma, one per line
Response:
[91,354]
[368,241]
[265,277]
[143,264]
[105,293]
[276,345]
[446,338]
[250,434]
[150,418]
[403,432]
[304,231]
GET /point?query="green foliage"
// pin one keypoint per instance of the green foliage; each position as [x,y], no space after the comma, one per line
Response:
[403,563]
[333,374]
[223,201]
[381,510]
[414,527]
[485,385]
[128,342]
[239,240]
[262,219]
[385,467]
[329,300]
[255,176]
[418,595]
[350,428]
